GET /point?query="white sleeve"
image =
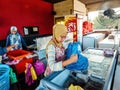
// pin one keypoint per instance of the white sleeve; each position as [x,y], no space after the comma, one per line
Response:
[54,66]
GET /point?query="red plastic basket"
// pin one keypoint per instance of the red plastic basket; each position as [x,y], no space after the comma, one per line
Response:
[20,67]
[18,54]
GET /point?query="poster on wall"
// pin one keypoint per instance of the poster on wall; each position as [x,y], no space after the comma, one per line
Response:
[87,27]
[71,24]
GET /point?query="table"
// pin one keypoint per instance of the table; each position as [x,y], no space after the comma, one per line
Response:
[32,47]
[109,43]
[101,66]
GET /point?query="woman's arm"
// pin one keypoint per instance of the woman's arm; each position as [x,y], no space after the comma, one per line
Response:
[54,66]
[8,41]
[2,50]
[72,59]
[23,41]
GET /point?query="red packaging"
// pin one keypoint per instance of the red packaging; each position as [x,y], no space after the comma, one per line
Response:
[20,55]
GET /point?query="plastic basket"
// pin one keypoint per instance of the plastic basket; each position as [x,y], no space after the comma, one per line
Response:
[20,67]
[4,77]
[18,54]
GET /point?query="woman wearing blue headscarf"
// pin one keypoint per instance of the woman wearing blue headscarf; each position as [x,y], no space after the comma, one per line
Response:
[14,38]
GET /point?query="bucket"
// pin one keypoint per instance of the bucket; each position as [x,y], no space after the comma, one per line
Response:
[4,77]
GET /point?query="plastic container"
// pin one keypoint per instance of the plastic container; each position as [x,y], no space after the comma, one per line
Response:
[4,77]
[18,54]
[20,67]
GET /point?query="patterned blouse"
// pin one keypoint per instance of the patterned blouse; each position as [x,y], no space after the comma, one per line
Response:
[55,57]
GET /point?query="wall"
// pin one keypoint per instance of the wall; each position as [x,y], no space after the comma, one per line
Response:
[25,13]
[79,8]
[69,7]
[63,8]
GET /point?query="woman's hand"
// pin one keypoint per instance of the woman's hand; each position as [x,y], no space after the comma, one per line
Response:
[10,47]
[74,58]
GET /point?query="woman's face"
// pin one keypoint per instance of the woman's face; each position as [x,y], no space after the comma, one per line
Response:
[62,37]
[13,31]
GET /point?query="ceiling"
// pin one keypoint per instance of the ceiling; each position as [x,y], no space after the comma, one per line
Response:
[53,1]
[87,2]
[93,5]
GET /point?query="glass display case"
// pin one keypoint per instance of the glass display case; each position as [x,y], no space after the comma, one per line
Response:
[100,66]
[100,74]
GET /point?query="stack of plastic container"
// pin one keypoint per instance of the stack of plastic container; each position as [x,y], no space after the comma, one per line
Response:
[4,77]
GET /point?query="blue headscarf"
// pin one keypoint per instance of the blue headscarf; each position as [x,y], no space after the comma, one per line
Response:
[15,39]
